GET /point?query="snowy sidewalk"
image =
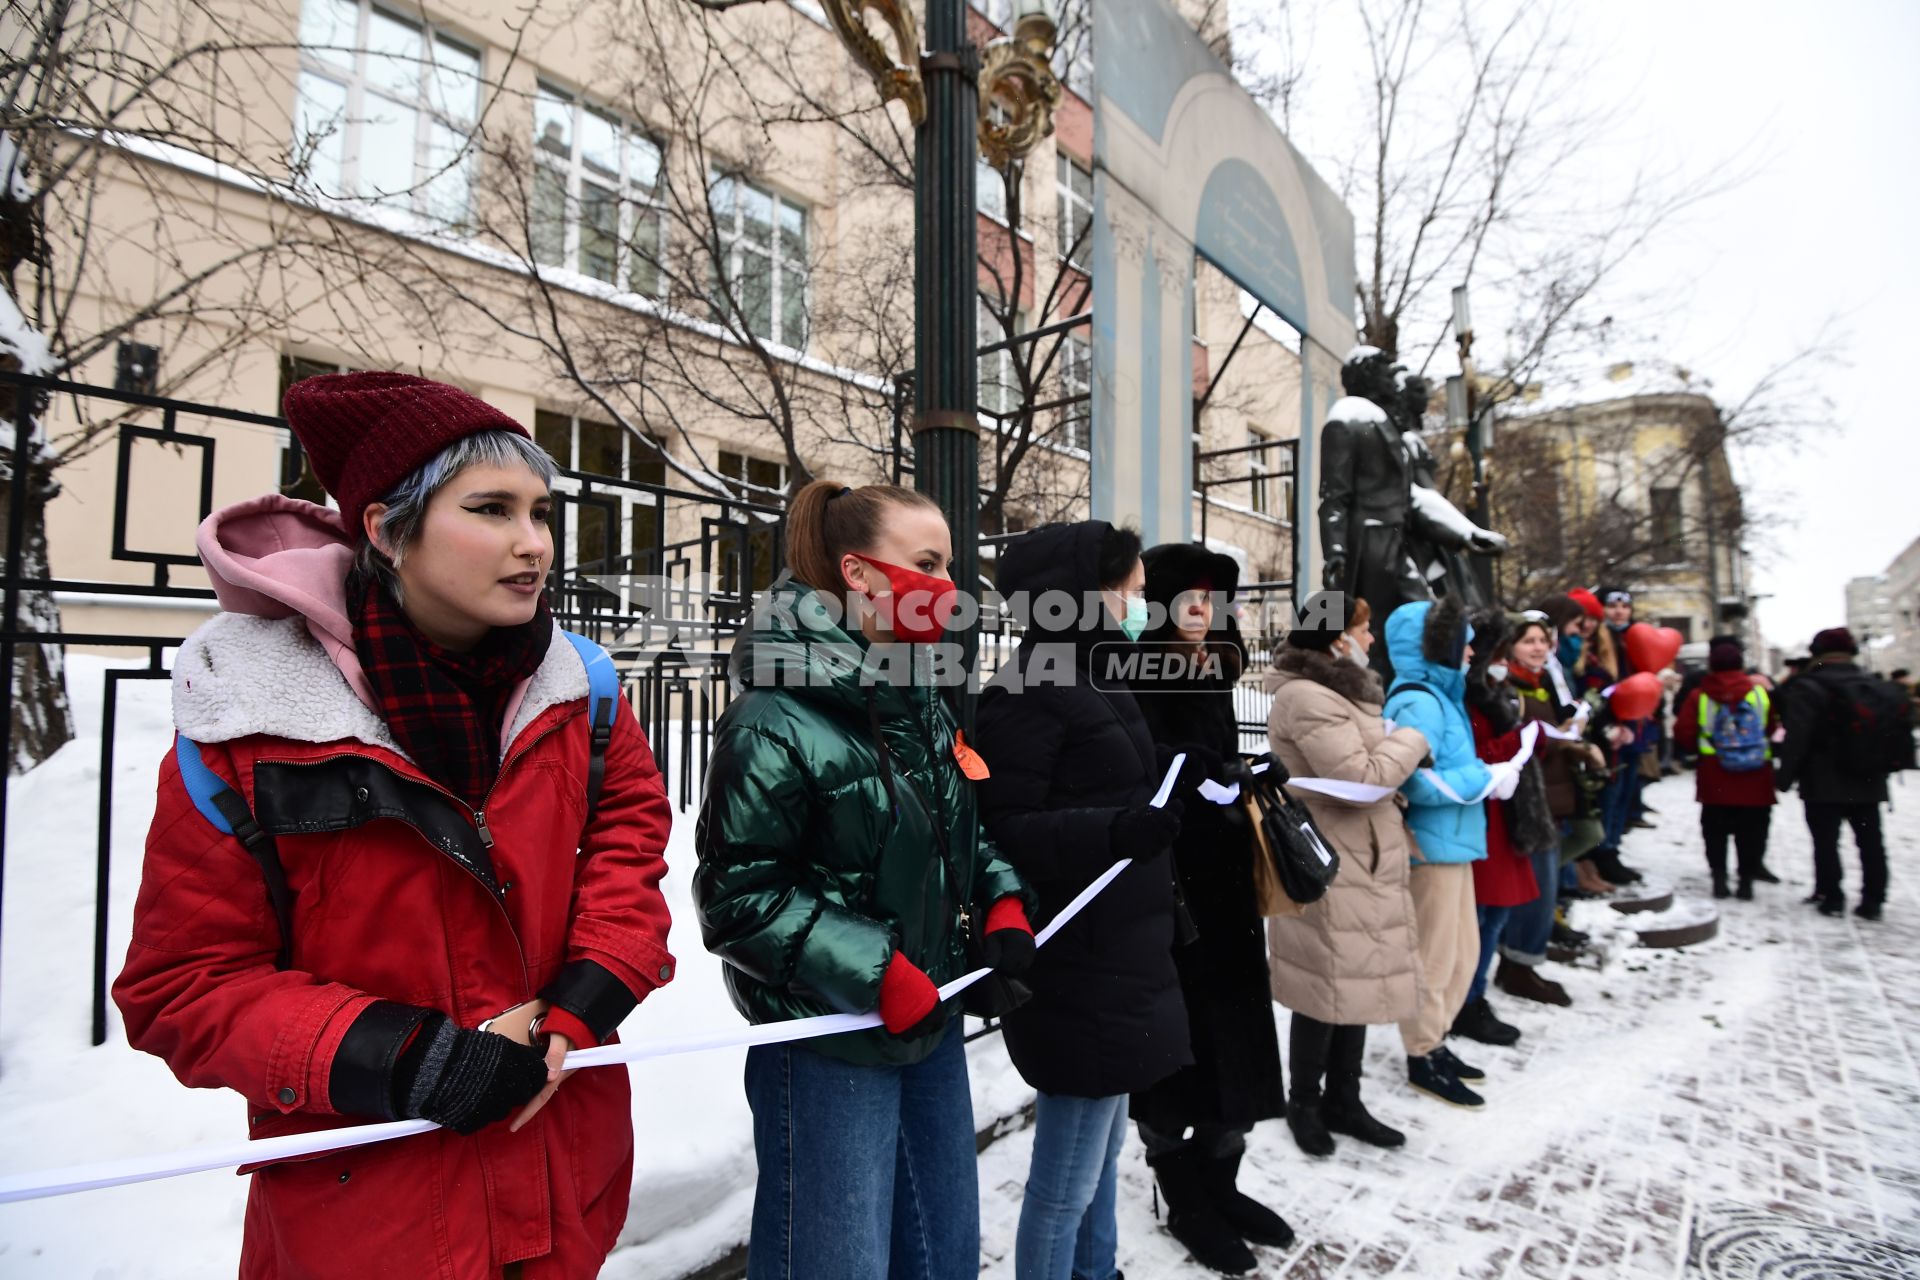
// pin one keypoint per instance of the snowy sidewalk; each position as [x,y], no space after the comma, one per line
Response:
[1719,1111]
[1750,1100]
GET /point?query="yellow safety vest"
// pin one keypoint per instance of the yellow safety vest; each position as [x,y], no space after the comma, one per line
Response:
[1756,697]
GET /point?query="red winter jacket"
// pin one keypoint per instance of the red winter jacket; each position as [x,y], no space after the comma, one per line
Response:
[1713,784]
[397,898]
[1504,878]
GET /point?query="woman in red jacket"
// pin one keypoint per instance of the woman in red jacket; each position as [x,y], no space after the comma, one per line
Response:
[1731,721]
[388,695]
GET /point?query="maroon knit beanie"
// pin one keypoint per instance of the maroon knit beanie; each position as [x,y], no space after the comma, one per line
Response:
[1834,640]
[1725,654]
[366,432]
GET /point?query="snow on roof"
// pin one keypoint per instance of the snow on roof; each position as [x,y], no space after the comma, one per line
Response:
[1361,351]
[1616,380]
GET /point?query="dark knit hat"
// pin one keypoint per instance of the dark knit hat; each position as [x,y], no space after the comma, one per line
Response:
[1833,640]
[1726,653]
[366,432]
[1324,615]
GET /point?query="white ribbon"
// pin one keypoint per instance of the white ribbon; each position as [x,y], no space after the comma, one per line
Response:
[115,1173]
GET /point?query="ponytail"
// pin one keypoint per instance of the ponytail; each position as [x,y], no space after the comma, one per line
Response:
[827,520]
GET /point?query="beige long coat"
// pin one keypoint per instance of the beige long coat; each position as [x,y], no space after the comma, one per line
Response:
[1349,958]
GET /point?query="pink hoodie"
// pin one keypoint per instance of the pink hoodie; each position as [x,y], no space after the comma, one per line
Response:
[278,557]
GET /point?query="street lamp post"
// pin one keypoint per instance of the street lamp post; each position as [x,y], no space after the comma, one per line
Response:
[941,86]
[1479,427]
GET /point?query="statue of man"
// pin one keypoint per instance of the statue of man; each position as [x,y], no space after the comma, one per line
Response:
[1366,494]
[1439,535]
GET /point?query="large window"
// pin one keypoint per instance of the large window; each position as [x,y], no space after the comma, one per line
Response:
[596,193]
[757,480]
[1073,210]
[999,376]
[763,250]
[754,479]
[989,190]
[1666,523]
[1076,379]
[1259,467]
[614,529]
[386,110]
[296,472]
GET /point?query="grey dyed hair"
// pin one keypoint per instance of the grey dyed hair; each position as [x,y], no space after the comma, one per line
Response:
[406,505]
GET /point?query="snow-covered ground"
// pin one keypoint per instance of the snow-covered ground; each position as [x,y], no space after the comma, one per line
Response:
[1758,1092]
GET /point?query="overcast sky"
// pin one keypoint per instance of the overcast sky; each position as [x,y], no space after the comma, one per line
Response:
[1821,103]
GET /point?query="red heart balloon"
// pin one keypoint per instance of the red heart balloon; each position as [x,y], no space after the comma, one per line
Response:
[1652,648]
[1636,697]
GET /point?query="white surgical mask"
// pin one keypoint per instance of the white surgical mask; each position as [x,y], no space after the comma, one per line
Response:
[1497,672]
[1351,652]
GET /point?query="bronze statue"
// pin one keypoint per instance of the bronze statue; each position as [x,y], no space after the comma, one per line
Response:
[1440,537]
[1366,494]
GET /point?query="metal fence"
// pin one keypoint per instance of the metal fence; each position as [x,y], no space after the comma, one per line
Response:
[705,554]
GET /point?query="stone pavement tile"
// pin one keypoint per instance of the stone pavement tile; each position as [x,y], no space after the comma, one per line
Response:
[1768,1073]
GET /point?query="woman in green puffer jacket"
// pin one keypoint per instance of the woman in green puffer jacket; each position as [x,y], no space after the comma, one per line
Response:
[842,865]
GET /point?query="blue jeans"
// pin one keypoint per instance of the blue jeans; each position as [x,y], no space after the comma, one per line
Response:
[1067,1227]
[1531,925]
[1493,922]
[866,1173]
[1617,800]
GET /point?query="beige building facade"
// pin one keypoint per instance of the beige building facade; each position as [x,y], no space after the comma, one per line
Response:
[1642,483]
[672,248]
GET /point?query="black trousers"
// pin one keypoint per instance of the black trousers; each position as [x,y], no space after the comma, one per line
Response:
[1823,823]
[1320,1050]
[1746,826]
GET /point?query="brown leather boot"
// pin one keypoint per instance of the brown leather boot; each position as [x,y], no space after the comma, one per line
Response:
[1525,982]
[1590,879]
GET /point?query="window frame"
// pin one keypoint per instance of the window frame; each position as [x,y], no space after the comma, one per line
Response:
[1076,420]
[1004,363]
[1259,473]
[633,206]
[1669,541]
[360,81]
[1068,202]
[735,242]
[567,548]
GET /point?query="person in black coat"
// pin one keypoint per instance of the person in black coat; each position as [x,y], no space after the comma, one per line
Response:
[1833,788]
[1073,768]
[1194,1123]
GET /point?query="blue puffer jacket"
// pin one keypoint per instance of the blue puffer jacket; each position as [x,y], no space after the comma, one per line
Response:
[1423,640]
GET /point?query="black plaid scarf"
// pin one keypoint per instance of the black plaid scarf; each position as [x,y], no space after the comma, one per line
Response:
[444,708]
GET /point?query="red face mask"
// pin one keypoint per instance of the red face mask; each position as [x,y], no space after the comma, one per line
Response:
[921,606]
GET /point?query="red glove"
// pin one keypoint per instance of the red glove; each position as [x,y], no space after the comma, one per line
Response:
[1007,941]
[907,996]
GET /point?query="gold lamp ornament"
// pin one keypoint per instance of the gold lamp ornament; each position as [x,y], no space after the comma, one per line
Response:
[1018,90]
[896,73]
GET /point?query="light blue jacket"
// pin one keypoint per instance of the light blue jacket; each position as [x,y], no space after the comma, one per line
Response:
[1445,831]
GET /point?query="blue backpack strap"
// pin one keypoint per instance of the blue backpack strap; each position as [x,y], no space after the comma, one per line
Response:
[227,813]
[603,691]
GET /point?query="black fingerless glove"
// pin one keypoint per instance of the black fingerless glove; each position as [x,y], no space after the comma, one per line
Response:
[465,1080]
[1142,831]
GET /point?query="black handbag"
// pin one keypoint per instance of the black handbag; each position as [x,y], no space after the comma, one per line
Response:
[1301,859]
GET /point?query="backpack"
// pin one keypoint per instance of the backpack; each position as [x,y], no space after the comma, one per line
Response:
[1870,724]
[228,814]
[1739,735]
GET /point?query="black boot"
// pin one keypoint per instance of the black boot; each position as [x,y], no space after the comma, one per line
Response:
[1192,1215]
[1456,1068]
[1765,876]
[1720,889]
[1349,1116]
[1256,1223]
[1745,891]
[1612,870]
[1430,1078]
[1476,1021]
[1309,1127]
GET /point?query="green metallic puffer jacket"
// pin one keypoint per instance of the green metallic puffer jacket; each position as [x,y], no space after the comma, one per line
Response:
[813,870]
